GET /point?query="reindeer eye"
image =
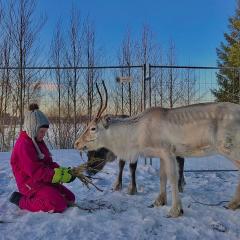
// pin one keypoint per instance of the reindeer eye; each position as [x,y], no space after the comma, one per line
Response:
[93,129]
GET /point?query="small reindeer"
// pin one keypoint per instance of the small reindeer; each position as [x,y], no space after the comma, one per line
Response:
[98,159]
[195,130]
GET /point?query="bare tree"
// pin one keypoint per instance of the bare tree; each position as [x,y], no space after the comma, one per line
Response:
[147,52]
[126,58]
[174,87]
[23,28]
[74,59]
[57,60]
[157,78]
[189,91]
[8,116]
[90,53]
[5,87]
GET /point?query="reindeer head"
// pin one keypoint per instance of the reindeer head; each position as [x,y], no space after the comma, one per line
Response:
[88,139]
[97,160]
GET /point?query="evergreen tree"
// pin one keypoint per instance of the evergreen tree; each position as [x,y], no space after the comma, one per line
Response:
[228,54]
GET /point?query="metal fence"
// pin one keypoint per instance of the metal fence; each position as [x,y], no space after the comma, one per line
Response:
[69,93]
[132,89]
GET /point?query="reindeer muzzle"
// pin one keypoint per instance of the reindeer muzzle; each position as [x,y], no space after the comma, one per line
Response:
[78,146]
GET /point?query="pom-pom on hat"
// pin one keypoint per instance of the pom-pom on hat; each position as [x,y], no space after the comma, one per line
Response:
[34,119]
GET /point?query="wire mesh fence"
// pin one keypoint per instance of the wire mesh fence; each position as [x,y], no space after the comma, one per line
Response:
[68,94]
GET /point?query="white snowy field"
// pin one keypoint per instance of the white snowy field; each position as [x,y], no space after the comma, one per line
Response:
[117,215]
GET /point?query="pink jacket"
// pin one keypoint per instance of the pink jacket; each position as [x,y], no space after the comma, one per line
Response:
[30,172]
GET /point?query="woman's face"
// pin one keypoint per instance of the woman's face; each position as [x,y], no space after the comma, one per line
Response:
[41,134]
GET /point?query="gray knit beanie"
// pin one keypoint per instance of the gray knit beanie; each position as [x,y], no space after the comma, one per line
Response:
[34,119]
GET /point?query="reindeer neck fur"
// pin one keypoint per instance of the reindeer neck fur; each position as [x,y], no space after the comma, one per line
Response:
[118,140]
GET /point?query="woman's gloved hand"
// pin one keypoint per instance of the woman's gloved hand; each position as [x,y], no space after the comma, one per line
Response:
[62,175]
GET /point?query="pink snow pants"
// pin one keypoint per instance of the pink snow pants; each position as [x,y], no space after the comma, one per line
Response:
[50,198]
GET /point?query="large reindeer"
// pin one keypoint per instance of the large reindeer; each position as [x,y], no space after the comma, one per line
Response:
[195,130]
[98,158]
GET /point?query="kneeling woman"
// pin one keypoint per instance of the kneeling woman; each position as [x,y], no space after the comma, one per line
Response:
[38,178]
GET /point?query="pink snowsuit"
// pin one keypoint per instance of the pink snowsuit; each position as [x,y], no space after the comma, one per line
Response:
[34,178]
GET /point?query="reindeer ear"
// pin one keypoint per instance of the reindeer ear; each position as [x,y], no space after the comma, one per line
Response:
[105,121]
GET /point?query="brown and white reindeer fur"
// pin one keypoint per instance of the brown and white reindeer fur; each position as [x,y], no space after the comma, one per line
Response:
[195,130]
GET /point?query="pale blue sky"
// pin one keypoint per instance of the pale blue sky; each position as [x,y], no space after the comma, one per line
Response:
[196,27]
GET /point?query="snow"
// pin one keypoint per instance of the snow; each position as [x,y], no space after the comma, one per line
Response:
[117,215]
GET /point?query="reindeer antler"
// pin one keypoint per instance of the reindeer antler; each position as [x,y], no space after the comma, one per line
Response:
[106,93]
[102,109]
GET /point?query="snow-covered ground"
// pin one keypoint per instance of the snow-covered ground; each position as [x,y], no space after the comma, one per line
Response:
[117,215]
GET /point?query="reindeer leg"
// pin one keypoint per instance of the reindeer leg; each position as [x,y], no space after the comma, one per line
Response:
[232,155]
[118,183]
[181,180]
[132,188]
[162,197]
[172,175]
[235,202]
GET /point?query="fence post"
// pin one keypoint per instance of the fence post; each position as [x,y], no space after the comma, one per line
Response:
[150,86]
[122,97]
[238,85]
[150,93]
[129,93]
[144,85]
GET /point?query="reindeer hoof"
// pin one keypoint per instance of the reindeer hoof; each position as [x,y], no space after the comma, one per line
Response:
[180,188]
[161,200]
[132,190]
[151,206]
[233,205]
[181,185]
[175,212]
[117,187]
